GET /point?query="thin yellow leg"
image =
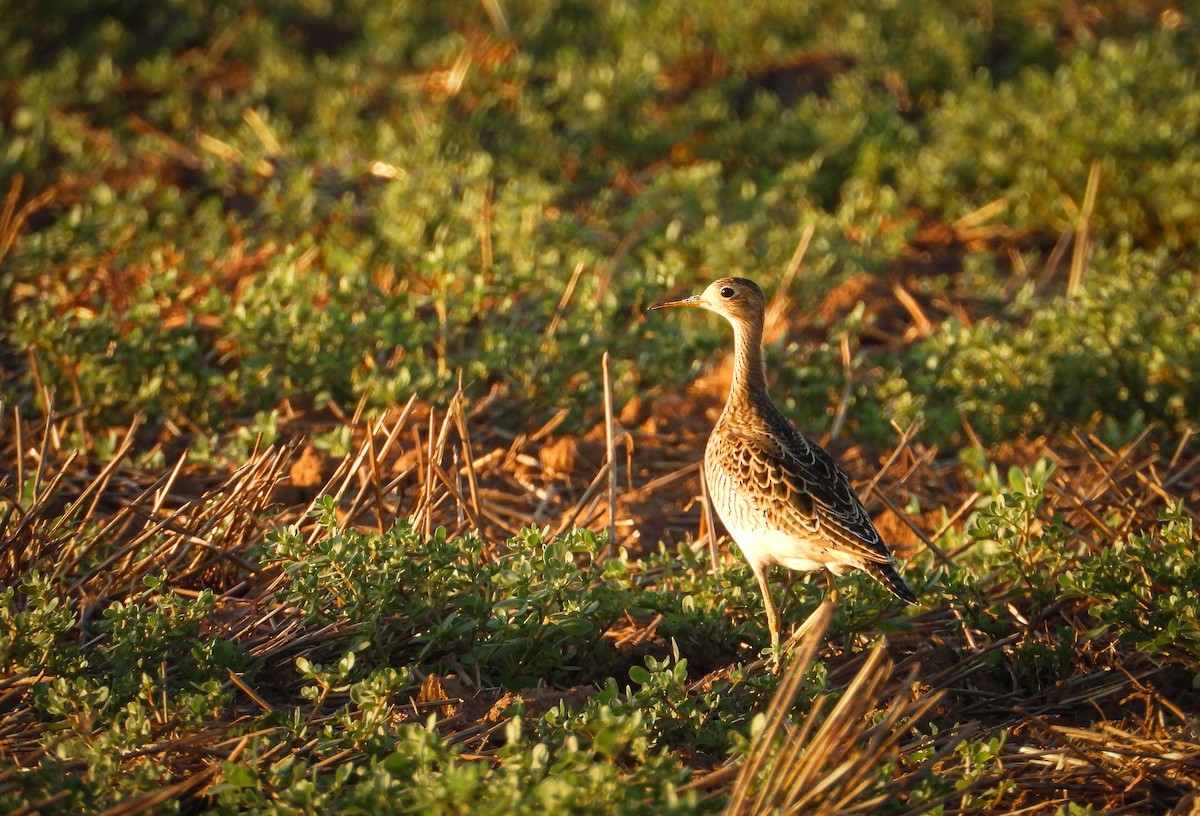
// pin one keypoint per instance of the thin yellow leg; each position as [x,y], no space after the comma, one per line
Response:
[831,592]
[772,614]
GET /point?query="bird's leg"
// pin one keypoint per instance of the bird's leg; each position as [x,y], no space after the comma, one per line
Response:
[760,572]
[790,584]
[831,592]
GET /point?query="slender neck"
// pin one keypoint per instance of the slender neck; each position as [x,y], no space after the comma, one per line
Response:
[749,379]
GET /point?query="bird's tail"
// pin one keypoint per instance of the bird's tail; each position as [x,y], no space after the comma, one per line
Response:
[885,573]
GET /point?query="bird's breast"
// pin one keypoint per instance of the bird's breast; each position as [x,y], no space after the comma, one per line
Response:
[754,516]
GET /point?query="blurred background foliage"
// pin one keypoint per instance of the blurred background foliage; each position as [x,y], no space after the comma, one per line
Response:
[247,201]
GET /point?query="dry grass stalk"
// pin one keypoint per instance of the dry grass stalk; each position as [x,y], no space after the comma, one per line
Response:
[610,458]
[839,416]
[561,308]
[1083,229]
[779,304]
[13,217]
[827,762]
[708,532]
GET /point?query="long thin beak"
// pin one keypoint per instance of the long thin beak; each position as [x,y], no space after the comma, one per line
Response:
[694,300]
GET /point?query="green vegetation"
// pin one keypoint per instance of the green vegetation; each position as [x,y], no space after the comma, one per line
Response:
[299,303]
[231,190]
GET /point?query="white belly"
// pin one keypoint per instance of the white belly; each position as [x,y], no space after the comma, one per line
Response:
[763,546]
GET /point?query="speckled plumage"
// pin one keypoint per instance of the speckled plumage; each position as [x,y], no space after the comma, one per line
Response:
[781,496]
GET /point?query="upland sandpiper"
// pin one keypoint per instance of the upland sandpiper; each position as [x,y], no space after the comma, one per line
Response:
[781,496]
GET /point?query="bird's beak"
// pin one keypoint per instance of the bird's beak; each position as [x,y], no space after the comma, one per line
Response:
[694,300]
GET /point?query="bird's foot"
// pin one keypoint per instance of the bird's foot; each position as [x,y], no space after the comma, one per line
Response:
[831,590]
[774,662]
[773,656]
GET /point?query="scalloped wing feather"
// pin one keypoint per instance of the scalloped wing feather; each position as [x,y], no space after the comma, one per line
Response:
[801,490]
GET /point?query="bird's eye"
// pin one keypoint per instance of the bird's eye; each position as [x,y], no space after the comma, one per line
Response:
[728,292]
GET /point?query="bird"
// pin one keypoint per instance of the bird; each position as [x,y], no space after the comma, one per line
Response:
[781,496]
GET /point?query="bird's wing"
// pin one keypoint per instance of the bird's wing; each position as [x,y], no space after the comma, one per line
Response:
[815,495]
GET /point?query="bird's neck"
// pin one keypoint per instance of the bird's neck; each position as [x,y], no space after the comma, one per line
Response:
[749,384]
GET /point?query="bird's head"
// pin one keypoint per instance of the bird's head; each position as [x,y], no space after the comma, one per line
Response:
[739,300]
